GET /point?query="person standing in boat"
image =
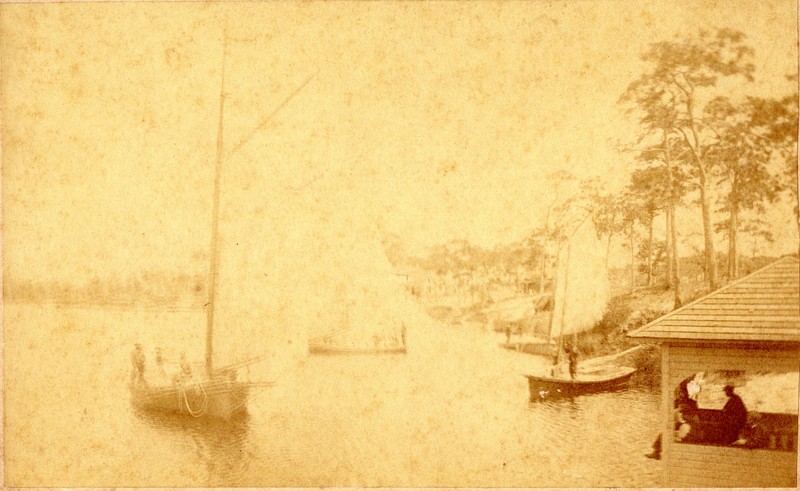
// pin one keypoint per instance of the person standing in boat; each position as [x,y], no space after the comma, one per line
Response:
[572,356]
[138,365]
[160,372]
[186,369]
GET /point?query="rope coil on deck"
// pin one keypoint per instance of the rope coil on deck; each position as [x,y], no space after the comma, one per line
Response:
[203,409]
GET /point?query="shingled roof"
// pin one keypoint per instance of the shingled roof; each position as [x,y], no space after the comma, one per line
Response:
[763,306]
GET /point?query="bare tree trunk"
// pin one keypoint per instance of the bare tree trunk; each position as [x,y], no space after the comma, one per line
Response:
[733,253]
[668,240]
[650,252]
[633,258]
[676,265]
[708,234]
[542,273]
[705,201]
[673,235]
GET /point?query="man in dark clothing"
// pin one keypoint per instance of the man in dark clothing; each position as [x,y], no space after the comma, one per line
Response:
[734,416]
[572,354]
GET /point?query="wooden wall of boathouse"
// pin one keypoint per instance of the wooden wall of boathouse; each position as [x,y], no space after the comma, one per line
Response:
[698,465]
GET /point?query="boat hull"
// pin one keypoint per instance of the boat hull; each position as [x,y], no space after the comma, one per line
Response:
[331,350]
[540,349]
[548,388]
[202,399]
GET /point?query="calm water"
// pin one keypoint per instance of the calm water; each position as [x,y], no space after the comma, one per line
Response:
[453,411]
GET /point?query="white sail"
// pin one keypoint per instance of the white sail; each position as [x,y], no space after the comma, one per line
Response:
[582,286]
[294,266]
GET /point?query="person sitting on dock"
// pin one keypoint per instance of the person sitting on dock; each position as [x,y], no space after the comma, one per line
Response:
[138,362]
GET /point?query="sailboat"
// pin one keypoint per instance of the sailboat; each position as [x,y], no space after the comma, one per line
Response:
[570,319]
[212,392]
[364,318]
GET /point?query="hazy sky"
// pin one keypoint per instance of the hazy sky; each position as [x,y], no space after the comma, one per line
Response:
[433,121]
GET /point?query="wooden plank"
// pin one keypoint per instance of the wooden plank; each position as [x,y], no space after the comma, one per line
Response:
[712,322]
[732,318]
[691,451]
[715,461]
[738,307]
[783,364]
[736,358]
[747,317]
[741,311]
[754,301]
[729,336]
[768,356]
[713,351]
[742,467]
[788,337]
[778,297]
[776,291]
[751,478]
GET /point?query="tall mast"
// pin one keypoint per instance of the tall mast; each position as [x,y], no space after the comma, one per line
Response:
[563,305]
[212,284]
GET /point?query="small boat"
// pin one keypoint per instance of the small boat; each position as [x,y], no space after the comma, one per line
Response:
[322,350]
[597,375]
[316,349]
[338,344]
[551,387]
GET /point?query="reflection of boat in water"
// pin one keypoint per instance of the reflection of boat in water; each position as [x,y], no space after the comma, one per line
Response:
[544,387]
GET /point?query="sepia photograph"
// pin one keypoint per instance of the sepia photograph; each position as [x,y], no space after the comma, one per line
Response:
[529,244]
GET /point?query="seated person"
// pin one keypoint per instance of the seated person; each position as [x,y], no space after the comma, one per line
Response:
[734,416]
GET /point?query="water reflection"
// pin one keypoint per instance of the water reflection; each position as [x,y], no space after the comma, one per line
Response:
[452,412]
[219,445]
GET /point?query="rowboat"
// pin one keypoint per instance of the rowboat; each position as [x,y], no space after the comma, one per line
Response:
[316,349]
[343,343]
[552,387]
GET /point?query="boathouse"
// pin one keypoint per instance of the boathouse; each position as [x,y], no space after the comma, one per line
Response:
[739,342]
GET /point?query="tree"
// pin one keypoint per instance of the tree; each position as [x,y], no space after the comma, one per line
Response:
[678,72]
[658,115]
[548,232]
[607,217]
[650,191]
[748,143]
[757,228]
[657,252]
